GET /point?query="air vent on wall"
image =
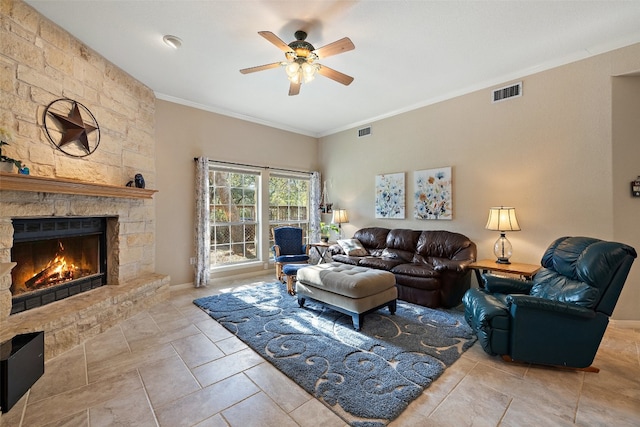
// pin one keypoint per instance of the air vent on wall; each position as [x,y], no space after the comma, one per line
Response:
[506,92]
[364,132]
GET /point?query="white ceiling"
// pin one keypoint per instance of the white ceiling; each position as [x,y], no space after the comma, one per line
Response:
[408,53]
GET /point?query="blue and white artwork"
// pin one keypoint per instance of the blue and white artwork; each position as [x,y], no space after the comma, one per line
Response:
[390,196]
[433,198]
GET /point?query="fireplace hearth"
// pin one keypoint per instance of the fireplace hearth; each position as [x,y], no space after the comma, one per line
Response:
[56,258]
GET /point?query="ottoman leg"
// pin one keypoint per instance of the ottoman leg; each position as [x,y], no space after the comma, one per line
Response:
[392,306]
[358,320]
[301,301]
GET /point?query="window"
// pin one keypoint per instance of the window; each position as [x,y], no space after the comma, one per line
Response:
[233,215]
[288,203]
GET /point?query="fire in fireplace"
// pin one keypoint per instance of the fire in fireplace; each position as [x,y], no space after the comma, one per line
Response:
[56,258]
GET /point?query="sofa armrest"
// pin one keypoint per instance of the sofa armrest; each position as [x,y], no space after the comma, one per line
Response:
[506,285]
[550,306]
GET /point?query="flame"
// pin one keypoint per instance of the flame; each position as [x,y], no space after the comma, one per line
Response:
[56,271]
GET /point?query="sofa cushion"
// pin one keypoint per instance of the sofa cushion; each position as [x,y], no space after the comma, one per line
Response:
[352,247]
[443,244]
[419,270]
[353,260]
[372,237]
[379,263]
[397,254]
[403,240]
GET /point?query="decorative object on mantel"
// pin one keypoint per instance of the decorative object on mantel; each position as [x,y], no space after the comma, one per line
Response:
[64,124]
[6,161]
[502,219]
[138,181]
[40,184]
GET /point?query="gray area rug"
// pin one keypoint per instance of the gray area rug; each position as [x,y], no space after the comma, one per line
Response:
[369,377]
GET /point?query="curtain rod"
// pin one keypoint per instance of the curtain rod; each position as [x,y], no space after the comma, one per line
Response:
[255,166]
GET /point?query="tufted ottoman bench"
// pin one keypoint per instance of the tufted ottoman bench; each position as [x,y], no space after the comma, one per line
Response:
[349,289]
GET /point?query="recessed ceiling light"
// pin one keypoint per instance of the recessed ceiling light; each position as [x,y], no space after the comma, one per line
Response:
[172,41]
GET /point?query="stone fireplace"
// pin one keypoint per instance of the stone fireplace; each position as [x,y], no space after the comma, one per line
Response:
[108,230]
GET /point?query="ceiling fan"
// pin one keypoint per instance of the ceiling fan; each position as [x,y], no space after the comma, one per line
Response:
[301,60]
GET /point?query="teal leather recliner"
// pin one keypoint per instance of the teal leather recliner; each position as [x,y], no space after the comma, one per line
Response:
[560,316]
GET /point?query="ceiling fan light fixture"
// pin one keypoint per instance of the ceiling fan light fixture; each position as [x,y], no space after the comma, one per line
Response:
[300,71]
[309,71]
[292,69]
[300,64]
[172,41]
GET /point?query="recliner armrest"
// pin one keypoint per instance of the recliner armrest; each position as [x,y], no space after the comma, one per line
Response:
[440,264]
[550,306]
[506,285]
[276,250]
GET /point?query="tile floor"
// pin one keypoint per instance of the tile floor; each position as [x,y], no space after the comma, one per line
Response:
[172,365]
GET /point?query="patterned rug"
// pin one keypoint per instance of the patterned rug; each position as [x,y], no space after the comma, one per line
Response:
[369,377]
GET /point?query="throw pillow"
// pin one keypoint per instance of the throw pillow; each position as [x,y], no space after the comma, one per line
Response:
[352,247]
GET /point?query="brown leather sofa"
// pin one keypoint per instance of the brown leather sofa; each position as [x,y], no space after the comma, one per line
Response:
[430,266]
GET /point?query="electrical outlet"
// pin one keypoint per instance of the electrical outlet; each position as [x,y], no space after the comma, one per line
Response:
[192,260]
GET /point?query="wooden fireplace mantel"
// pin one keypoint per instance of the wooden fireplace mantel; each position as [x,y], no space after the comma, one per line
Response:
[39,184]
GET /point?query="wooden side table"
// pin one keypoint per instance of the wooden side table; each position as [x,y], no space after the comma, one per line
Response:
[525,271]
[321,248]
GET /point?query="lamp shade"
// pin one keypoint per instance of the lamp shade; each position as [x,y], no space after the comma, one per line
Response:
[502,219]
[340,216]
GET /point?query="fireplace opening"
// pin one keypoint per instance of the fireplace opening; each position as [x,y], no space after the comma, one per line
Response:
[56,258]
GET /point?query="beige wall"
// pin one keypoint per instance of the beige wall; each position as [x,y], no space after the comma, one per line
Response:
[549,153]
[184,133]
[626,167]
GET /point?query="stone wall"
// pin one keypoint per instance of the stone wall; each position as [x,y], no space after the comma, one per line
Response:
[39,63]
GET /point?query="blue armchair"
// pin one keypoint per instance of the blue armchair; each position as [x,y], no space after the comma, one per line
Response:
[560,316]
[288,248]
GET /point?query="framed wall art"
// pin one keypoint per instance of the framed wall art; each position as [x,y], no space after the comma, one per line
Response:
[433,194]
[390,196]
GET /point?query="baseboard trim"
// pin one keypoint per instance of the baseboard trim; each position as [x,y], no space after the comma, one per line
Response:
[625,324]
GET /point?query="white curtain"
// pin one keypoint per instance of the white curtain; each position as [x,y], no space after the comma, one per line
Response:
[203,238]
[314,208]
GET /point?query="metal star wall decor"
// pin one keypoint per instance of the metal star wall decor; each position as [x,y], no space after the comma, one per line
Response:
[71,127]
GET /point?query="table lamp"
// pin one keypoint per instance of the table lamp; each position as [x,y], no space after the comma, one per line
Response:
[502,219]
[340,217]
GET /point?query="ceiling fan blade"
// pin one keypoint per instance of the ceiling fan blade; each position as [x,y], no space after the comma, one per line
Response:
[260,68]
[335,75]
[339,46]
[294,88]
[277,41]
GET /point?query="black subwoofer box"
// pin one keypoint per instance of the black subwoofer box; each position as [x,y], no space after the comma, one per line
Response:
[21,364]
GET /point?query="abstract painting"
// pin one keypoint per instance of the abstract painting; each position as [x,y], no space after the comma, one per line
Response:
[390,196]
[433,198]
